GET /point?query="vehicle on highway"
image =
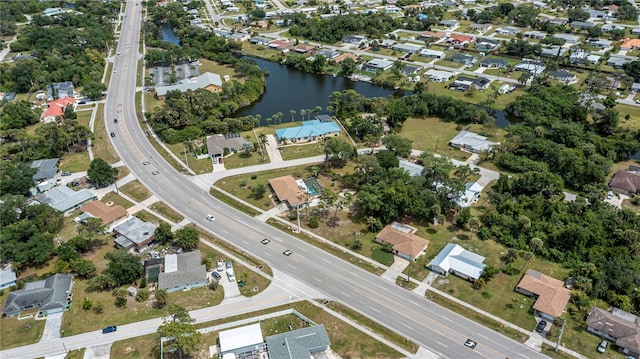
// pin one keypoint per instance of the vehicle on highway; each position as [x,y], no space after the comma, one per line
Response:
[470,344]
[155,172]
[220,266]
[146,163]
[113,134]
[66,173]
[115,120]
[109,329]
[216,275]
[211,217]
[603,346]
[265,241]
[287,252]
[541,325]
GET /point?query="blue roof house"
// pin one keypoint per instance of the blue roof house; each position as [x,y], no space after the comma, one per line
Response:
[309,131]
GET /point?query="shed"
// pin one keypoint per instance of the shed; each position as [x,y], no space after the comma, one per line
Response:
[240,340]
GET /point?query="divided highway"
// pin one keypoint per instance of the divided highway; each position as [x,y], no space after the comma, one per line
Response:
[433,327]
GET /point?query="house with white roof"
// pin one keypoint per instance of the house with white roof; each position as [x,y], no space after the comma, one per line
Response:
[438,75]
[208,81]
[432,54]
[459,261]
[471,142]
[240,340]
[471,194]
[377,65]
[64,199]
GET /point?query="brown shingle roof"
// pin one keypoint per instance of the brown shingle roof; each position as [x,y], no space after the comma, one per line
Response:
[288,190]
[106,213]
[552,295]
[628,181]
[405,243]
[346,55]
[624,327]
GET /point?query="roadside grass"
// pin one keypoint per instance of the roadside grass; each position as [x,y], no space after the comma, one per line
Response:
[148,217]
[166,211]
[262,282]
[84,116]
[151,103]
[232,202]
[75,162]
[238,160]
[136,190]
[346,341]
[204,165]
[75,354]
[15,333]
[102,147]
[170,159]
[401,281]
[116,200]
[107,78]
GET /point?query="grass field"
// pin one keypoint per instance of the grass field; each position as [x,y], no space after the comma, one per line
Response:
[75,162]
[136,190]
[167,212]
[15,333]
[102,147]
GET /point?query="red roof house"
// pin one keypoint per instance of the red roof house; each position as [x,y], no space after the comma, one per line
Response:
[56,109]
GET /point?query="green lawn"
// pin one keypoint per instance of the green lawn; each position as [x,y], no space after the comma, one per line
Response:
[102,147]
[136,190]
[426,132]
[167,212]
[75,162]
[15,333]
[295,151]
[199,166]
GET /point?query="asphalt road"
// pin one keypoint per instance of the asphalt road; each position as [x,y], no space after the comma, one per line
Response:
[414,317]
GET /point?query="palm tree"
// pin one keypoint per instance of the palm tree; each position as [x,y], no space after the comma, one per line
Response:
[262,140]
[268,119]
[293,113]
[317,110]
[303,112]
[280,115]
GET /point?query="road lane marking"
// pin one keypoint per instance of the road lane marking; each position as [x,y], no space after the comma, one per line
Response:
[345,294]
[326,260]
[406,326]
[291,265]
[442,344]
[522,355]
[317,279]
[445,318]
[374,309]
[482,336]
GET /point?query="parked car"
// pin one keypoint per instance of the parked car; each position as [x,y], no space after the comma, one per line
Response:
[109,329]
[228,264]
[220,267]
[603,346]
[66,173]
[541,325]
[610,195]
[216,275]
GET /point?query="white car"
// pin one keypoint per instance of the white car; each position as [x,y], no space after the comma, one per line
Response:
[220,267]
[211,217]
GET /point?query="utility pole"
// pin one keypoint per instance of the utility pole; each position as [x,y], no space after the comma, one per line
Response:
[437,139]
[115,182]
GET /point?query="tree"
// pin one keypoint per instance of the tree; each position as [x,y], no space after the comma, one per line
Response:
[633,69]
[16,178]
[90,227]
[474,224]
[16,115]
[161,296]
[577,14]
[258,191]
[347,67]
[337,151]
[187,238]
[94,90]
[399,145]
[180,332]
[163,233]
[124,267]
[101,173]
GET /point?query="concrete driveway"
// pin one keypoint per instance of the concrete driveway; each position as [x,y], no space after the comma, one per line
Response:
[52,327]
[98,352]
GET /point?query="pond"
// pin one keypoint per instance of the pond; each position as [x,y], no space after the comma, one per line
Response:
[168,35]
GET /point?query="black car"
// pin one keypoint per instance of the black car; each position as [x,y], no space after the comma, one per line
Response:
[109,329]
[113,134]
[265,241]
[541,325]
[216,275]
[115,120]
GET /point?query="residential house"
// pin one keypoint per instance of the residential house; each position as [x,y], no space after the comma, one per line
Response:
[563,76]
[327,54]
[432,35]
[553,51]
[618,326]
[411,69]
[64,199]
[7,277]
[432,54]
[47,169]
[287,190]
[408,48]
[551,295]
[216,144]
[208,81]
[302,48]
[55,109]
[582,25]
[259,24]
[347,55]
[467,2]
[301,343]
[557,21]
[354,39]
[568,38]
[182,272]
[599,43]
[109,215]
[459,261]
[311,130]
[458,40]
[280,45]
[635,31]
[481,28]
[134,234]
[491,62]
[485,44]
[411,167]
[471,142]
[611,27]
[464,59]
[508,31]
[49,296]
[625,182]
[7,96]
[539,35]
[439,75]
[471,194]
[377,65]
[54,11]
[404,242]
[58,90]
[635,87]
[583,57]
[630,44]
[611,9]
[539,4]
[596,14]
[617,62]
[257,40]
[237,341]
[535,68]
[463,83]
[449,23]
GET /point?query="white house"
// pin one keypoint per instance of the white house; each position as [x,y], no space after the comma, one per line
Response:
[439,76]
[472,142]
[459,261]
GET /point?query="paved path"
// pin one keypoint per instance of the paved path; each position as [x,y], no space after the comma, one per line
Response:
[52,327]
[272,149]
[395,270]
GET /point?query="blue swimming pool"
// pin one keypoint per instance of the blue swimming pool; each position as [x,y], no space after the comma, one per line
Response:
[313,186]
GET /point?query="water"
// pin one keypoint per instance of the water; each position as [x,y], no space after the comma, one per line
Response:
[168,35]
[290,89]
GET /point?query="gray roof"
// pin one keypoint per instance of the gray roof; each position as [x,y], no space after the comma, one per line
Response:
[7,277]
[134,230]
[47,294]
[463,58]
[63,198]
[328,54]
[189,271]
[46,169]
[64,89]
[192,84]
[217,143]
[491,60]
[413,169]
[298,343]
[471,140]
[561,75]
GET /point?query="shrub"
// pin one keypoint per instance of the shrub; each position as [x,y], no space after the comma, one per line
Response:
[510,269]
[119,292]
[356,245]
[98,308]
[213,285]
[636,200]
[479,283]
[243,182]
[87,303]
[313,222]
[254,176]
[484,233]
[486,294]
[142,295]
[143,282]
[121,302]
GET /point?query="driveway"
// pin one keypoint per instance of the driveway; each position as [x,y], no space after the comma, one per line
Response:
[272,149]
[98,352]
[52,327]
[231,289]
